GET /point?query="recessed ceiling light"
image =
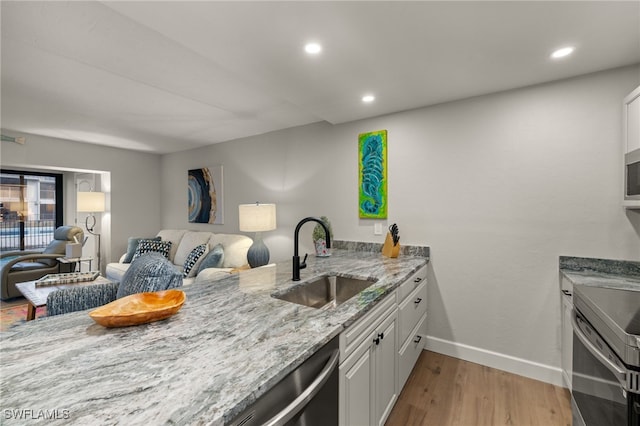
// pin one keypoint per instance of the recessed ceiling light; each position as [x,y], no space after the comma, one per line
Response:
[313,48]
[368,98]
[561,53]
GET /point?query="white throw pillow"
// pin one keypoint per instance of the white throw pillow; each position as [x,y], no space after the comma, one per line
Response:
[189,241]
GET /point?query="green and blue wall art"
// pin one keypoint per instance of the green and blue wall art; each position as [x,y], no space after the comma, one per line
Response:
[205,195]
[372,176]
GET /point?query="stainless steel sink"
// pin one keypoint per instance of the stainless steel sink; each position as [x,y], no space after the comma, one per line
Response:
[326,291]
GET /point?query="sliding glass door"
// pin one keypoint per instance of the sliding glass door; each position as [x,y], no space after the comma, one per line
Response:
[30,209]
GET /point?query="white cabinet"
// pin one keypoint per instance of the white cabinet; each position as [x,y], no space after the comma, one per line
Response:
[632,121]
[378,352]
[412,321]
[356,377]
[368,375]
[385,370]
[567,332]
[631,149]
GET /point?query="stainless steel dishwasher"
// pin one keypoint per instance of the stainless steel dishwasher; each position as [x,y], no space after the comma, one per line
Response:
[307,396]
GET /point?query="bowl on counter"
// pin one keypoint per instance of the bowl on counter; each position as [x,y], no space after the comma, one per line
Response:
[141,308]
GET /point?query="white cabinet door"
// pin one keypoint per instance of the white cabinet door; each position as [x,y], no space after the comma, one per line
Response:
[355,388]
[385,370]
[567,340]
[632,118]
[368,377]
[411,310]
[410,352]
[631,147]
[412,313]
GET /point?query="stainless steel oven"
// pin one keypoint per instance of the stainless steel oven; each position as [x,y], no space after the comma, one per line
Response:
[606,357]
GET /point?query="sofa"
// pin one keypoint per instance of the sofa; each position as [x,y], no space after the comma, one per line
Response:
[184,244]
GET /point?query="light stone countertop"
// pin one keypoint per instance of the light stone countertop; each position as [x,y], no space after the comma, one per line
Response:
[619,274]
[600,279]
[228,344]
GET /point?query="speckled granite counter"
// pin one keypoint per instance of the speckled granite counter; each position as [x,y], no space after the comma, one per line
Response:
[601,272]
[229,343]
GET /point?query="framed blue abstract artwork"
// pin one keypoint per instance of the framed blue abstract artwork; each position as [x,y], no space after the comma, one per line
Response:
[205,195]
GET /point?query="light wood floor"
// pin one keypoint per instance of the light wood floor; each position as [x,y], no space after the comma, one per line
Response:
[444,391]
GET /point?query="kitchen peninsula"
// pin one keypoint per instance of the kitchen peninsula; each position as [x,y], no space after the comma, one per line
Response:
[228,345]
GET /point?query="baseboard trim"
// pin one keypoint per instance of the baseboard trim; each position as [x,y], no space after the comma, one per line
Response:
[511,364]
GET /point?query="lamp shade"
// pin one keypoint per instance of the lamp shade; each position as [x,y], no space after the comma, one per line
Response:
[91,202]
[257,217]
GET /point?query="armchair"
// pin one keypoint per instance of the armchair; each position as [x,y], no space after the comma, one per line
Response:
[19,266]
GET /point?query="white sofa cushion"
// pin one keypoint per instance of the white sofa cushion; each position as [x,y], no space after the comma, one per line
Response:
[115,271]
[235,248]
[189,241]
[212,274]
[173,235]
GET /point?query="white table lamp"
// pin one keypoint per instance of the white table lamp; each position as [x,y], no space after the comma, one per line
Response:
[257,218]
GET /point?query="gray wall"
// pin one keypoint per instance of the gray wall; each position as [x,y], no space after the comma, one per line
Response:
[130,179]
[499,186]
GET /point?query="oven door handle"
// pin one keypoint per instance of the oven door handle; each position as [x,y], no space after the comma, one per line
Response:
[619,373]
[306,395]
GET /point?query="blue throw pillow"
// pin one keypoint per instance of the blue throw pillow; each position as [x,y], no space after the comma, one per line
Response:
[132,245]
[214,259]
[149,272]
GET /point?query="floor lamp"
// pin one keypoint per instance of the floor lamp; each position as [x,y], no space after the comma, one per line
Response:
[91,202]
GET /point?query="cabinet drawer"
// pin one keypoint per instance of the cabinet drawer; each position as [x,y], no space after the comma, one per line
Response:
[411,310]
[410,351]
[356,333]
[411,283]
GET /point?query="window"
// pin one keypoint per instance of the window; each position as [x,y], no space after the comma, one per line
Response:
[30,209]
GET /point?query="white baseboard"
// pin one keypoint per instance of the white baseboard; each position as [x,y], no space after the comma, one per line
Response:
[511,364]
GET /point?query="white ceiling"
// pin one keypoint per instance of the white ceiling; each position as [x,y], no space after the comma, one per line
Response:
[169,76]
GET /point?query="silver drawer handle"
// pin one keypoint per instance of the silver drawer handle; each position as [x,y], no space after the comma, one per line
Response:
[307,395]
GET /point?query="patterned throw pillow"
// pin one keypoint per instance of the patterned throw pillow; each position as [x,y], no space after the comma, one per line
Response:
[193,260]
[132,245]
[149,272]
[146,246]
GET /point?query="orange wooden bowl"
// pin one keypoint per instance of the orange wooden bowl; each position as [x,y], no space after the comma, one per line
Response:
[139,308]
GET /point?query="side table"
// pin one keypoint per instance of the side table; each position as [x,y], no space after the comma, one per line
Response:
[76,260]
[37,296]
